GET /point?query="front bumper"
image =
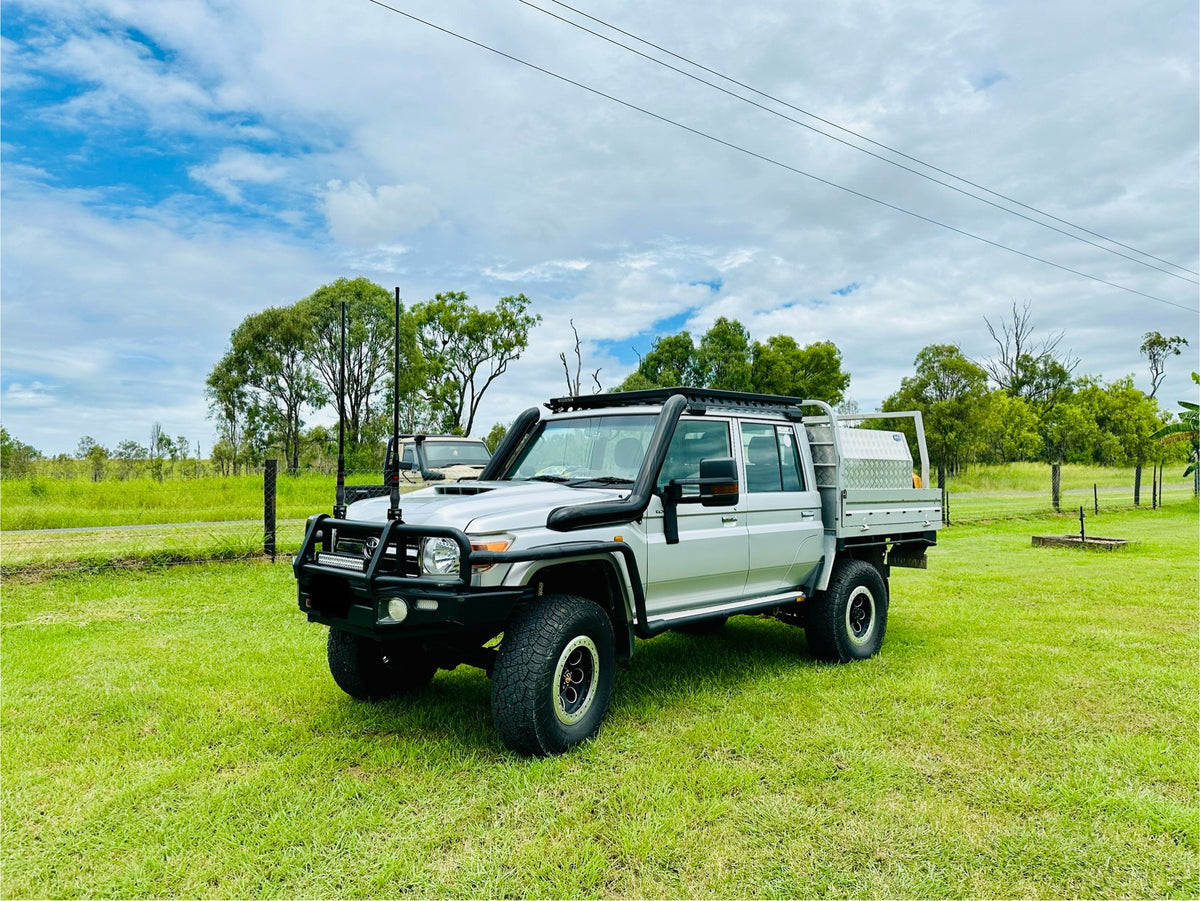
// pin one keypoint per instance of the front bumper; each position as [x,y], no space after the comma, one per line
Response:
[351,589]
[347,573]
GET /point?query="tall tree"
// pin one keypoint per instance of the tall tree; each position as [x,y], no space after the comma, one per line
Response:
[1157,350]
[950,391]
[723,358]
[814,372]
[370,342]
[1025,365]
[229,405]
[466,349]
[268,360]
[671,361]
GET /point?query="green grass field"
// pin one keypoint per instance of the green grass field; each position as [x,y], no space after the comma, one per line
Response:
[45,503]
[1030,729]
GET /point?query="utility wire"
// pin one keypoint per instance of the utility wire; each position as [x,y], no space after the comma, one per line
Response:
[861,137]
[765,159]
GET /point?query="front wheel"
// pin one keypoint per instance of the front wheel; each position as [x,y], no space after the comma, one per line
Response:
[848,620]
[554,674]
[375,670]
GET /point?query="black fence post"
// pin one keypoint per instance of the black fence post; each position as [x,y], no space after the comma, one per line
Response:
[270,475]
[1095,498]
[941,479]
[1056,485]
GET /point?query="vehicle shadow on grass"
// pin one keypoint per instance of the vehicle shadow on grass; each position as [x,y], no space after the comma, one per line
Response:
[665,672]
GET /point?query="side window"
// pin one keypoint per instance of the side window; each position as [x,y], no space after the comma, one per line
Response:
[407,455]
[789,456]
[772,458]
[694,440]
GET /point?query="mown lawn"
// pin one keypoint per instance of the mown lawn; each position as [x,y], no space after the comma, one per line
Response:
[1029,730]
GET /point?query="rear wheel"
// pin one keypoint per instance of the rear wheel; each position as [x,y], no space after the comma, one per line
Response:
[554,674]
[372,670]
[848,620]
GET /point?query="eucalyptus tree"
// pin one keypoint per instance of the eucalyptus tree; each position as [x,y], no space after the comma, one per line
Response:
[814,372]
[465,349]
[370,344]
[268,368]
[951,392]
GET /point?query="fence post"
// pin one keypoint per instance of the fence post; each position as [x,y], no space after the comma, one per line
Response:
[941,477]
[1055,484]
[270,472]
[1095,498]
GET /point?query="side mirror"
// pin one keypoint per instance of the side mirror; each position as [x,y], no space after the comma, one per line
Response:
[717,485]
[718,482]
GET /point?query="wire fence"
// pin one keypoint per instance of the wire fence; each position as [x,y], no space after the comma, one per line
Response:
[262,516]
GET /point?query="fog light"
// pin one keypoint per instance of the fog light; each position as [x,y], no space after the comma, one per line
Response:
[398,610]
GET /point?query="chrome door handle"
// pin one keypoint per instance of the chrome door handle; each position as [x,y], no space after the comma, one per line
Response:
[807,514]
[729,520]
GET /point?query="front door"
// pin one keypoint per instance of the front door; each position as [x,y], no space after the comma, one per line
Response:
[709,563]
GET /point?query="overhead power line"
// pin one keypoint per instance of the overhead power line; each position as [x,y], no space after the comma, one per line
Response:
[860,137]
[766,159]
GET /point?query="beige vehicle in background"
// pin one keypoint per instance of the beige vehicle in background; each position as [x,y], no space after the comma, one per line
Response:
[438,458]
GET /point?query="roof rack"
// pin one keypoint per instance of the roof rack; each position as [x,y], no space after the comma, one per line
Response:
[699,399]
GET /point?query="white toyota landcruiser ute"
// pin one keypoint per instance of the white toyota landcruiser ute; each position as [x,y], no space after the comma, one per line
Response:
[612,517]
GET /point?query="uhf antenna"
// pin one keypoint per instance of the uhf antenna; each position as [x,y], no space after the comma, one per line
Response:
[394,467]
[339,502]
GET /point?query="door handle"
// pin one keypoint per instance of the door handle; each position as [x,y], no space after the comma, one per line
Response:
[729,520]
[808,514]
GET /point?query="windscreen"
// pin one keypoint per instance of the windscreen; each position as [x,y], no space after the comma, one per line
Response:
[455,453]
[596,450]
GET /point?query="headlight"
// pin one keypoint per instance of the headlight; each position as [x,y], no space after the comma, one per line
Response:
[439,557]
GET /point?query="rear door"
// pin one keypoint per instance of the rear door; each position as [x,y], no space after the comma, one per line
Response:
[782,511]
[709,563]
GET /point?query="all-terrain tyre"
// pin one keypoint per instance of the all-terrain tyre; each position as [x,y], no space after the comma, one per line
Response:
[372,670]
[848,620]
[553,677]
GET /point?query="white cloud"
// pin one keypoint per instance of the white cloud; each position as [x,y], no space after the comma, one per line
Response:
[361,216]
[35,394]
[235,167]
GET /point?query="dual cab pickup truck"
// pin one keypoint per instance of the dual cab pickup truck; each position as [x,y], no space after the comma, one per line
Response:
[607,518]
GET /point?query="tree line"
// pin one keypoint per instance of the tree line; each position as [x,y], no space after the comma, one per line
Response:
[1023,403]
[1026,404]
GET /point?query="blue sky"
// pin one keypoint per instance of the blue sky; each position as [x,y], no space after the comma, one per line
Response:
[168,169]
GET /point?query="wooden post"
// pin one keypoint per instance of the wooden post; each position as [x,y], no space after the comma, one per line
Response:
[1082,534]
[1095,499]
[1055,484]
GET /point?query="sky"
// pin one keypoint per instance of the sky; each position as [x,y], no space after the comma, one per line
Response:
[167,169]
